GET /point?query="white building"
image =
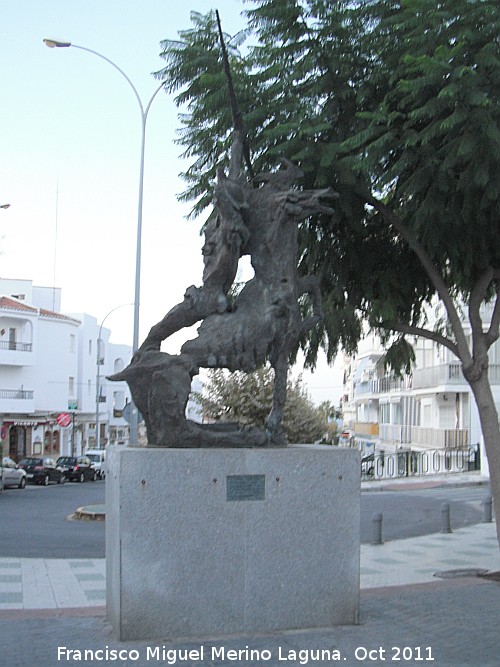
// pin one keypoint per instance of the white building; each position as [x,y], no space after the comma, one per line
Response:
[99,400]
[431,409]
[48,367]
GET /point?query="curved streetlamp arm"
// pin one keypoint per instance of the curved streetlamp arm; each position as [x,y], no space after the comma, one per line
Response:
[52,43]
[96,53]
[98,373]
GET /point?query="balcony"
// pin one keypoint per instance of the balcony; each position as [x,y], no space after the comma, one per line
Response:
[366,428]
[443,376]
[396,434]
[13,353]
[17,400]
[438,438]
[421,436]
[448,374]
[388,385]
[384,385]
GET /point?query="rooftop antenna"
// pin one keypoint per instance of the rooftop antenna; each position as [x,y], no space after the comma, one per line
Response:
[55,247]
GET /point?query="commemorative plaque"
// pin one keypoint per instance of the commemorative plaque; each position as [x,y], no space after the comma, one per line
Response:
[246,487]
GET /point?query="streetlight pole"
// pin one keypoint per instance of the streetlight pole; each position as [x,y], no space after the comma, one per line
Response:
[144,110]
[98,375]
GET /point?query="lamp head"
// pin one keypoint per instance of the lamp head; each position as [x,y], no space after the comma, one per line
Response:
[4,205]
[51,43]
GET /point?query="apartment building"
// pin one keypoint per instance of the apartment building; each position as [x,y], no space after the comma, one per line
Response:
[50,367]
[431,409]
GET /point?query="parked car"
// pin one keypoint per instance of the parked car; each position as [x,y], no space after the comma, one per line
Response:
[77,468]
[12,474]
[98,458]
[42,470]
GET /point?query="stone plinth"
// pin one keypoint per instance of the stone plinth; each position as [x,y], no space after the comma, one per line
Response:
[212,542]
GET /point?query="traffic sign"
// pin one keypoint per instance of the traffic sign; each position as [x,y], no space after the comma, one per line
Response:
[64,419]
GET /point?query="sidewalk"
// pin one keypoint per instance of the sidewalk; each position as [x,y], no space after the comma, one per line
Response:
[30,583]
[408,616]
[425,482]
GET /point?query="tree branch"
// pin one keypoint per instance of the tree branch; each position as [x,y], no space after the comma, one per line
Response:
[477,297]
[493,331]
[419,331]
[461,349]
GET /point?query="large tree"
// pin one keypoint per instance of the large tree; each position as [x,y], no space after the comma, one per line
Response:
[247,398]
[396,105]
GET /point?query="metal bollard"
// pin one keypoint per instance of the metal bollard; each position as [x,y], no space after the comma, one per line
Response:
[488,510]
[377,528]
[445,518]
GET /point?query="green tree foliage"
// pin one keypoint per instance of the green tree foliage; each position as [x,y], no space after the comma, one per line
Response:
[396,105]
[247,399]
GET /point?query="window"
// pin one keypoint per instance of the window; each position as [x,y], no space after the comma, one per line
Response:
[12,339]
[90,347]
[384,413]
[71,386]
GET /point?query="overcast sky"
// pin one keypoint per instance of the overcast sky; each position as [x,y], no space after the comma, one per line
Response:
[70,154]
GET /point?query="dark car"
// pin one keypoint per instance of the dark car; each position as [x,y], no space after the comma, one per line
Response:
[42,470]
[77,468]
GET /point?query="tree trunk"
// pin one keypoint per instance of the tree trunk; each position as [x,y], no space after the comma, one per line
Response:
[488,417]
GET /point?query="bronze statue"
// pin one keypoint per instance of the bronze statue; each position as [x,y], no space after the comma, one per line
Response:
[258,217]
[264,323]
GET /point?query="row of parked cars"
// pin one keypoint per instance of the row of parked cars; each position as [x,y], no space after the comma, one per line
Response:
[44,470]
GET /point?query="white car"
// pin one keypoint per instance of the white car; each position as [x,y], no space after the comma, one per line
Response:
[11,474]
[98,458]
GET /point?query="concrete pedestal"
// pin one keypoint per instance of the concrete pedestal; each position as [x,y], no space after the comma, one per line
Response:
[212,542]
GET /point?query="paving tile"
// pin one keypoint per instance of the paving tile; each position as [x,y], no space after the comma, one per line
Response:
[76,564]
[10,579]
[11,596]
[10,565]
[90,576]
[96,595]
[58,583]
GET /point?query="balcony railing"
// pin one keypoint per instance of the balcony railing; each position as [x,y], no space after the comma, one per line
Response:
[387,384]
[384,385]
[17,394]
[13,345]
[422,436]
[440,437]
[423,378]
[446,374]
[396,433]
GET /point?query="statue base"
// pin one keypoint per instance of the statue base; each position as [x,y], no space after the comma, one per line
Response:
[213,542]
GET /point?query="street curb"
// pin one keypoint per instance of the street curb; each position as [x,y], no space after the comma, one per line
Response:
[409,485]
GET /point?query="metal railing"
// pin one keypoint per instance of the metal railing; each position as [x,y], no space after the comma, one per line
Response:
[381,466]
[15,346]
[21,394]
[423,378]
